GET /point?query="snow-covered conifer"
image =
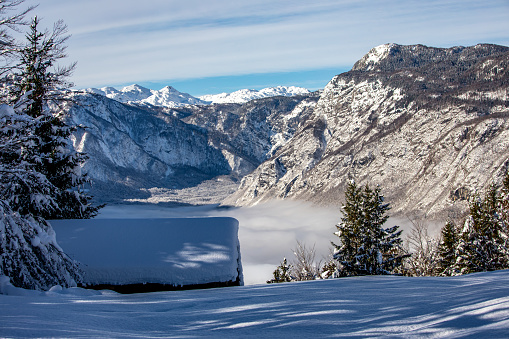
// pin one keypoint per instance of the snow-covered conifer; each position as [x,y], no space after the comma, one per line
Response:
[483,245]
[281,273]
[447,250]
[37,83]
[30,255]
[365,247]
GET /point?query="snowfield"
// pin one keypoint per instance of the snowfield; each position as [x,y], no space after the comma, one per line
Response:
[475,306]
[167,251]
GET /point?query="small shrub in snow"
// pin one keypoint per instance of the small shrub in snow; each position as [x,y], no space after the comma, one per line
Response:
[281,273]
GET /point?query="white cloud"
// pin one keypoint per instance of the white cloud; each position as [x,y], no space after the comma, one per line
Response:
[132,41]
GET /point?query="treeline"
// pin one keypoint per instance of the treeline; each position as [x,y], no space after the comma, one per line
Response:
[364,247]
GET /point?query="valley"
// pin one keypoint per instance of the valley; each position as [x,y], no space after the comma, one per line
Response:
[427,124]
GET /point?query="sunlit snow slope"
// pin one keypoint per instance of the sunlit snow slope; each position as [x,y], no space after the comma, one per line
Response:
[473,306]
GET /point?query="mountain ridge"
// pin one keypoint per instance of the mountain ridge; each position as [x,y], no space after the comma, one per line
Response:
[422,122]
[430,125]
[170,97]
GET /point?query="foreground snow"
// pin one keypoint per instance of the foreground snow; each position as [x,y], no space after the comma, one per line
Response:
[476,305]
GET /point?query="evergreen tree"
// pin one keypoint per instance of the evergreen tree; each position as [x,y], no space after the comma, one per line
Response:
[504,202]
[21,186]
[29,254]
[482,244]
[36,84]
[281,273]
[365,247]
[447,249]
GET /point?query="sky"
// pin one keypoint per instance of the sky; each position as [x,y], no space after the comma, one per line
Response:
[209,47]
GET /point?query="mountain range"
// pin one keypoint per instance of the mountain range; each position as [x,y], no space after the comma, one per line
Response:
[170,97]
[429,125]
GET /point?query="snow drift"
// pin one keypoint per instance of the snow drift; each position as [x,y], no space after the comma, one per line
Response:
[135,255]
[469,306]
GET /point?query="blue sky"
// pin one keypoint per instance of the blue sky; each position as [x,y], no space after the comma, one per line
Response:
[213,46]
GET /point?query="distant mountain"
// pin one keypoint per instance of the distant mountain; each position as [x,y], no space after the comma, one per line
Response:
[132,149]
[245,95]
[165,97]
[171,98]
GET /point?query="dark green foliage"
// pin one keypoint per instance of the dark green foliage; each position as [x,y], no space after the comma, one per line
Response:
[483,245]
[504,202]
[281,273]
[447,249]
[365,247]
[328,269]
[36,85]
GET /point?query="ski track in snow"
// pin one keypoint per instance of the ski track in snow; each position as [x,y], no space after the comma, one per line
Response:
[475,306]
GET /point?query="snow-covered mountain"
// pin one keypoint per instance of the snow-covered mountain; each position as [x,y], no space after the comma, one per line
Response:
[165,97]
[245,95]
[430,125]
[132,148]
[171,98]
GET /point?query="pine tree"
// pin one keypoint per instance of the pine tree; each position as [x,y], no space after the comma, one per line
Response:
[446,251]
[37,84]
[504,202]
[482,244]
[29,254]
[365,247]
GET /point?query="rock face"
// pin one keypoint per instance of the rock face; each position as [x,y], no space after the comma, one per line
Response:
[251,133]
[130,148]
[134,148]
[429,125]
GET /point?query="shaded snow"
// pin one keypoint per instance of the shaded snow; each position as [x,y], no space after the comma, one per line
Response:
[171,251]
[475,306]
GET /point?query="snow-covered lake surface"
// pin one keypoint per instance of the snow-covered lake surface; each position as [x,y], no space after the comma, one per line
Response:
[474,306]
[267,232]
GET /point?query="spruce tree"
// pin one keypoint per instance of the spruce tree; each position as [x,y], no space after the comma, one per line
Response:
[29,253]
[483,244]
[447,249]
[504,202]
[37,84]
[365,247]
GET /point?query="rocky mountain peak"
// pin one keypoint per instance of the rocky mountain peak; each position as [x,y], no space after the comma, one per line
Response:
[394,57]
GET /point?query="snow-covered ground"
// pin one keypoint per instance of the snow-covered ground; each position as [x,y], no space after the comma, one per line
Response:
[474,306]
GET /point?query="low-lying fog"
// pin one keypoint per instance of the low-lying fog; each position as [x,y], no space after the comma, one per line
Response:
[267,232]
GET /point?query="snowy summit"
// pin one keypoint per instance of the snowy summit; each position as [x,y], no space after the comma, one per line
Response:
[165,97]
[245,95]
[171,98]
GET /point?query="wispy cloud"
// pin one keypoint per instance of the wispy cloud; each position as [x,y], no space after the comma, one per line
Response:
[118,42]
